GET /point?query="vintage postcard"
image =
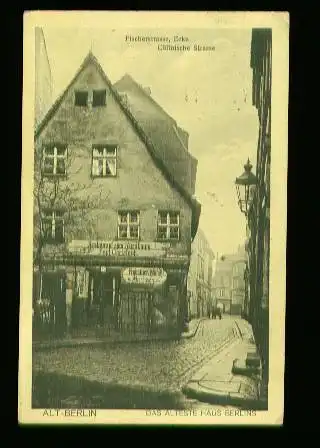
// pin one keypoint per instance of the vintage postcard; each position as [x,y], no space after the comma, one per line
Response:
[153,241]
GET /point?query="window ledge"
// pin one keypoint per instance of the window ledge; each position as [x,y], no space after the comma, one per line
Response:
[55,176]
[133,240]
[109,176]
[166,240]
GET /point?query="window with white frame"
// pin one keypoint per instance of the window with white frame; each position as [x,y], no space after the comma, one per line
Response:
[220,292]
[104,160]
[200,267]
[82,283]
[128,224]
[54,160]
[168,225]
[53,226]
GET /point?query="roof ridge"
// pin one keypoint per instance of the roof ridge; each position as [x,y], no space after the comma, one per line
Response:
[180,140]
[147,95]
[174,124]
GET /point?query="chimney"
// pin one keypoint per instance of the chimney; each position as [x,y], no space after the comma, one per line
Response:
[124,97]
[147,90]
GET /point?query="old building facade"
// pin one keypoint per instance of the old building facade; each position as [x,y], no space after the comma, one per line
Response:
[258,223]
[222,283]
[229,282]
[113,219]
[43,77]
[200,294]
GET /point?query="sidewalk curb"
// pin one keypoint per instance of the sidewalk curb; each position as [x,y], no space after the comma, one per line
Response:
[224,344]
[195,391]
[39,346]
[194,332]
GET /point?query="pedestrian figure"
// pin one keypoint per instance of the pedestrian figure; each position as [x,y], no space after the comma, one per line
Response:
[208,310]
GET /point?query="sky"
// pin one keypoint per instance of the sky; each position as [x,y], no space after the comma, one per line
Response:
[208,94]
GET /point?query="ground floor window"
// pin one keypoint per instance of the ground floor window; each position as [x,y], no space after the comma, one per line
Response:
[49,306]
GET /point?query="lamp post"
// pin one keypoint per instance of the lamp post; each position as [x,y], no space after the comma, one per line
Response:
[245,186]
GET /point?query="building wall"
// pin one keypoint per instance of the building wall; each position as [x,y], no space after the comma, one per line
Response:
[138,184]
[238,286]
[43,77]
[91,208]
[199,283]
[222,283]
[259,215]
[229,281]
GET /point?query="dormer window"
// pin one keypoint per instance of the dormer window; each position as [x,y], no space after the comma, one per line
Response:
[81,98]
[98,98]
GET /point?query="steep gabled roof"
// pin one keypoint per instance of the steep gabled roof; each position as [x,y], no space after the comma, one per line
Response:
[157,135]
[162,129]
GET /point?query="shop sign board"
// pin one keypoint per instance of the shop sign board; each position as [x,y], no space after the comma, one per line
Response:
[144,276]
[119,248]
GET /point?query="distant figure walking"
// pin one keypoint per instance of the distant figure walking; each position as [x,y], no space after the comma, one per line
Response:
[209,311]
[217,312]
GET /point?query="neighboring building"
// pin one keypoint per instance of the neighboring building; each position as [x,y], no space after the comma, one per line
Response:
[222,283]
[258,225]
[200,276]
[43,77]
[238,284]
[114,211]
[229,282]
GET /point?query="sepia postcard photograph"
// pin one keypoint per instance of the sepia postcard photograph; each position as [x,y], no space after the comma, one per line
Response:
[154,209]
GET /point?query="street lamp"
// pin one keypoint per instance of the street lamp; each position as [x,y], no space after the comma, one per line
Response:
[245,185]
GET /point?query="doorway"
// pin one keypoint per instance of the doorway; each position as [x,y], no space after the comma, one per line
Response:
[136,311]
[51,308]
[105,297]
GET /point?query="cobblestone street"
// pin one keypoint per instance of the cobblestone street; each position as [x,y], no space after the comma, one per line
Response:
[162,365]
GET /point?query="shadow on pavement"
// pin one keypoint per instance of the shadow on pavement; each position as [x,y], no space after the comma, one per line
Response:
[56,391]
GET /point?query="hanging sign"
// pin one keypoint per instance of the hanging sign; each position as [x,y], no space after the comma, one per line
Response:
[144,276]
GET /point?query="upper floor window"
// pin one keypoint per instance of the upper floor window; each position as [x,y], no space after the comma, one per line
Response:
[53,226]
[81,98]
[129,224]
[94,98]
[54,160]
[98,98]
[200,267]
[104,160]
[168,225]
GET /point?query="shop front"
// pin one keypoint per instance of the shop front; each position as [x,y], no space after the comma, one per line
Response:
[124,295]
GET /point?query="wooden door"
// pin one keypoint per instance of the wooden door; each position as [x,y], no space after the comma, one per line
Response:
[53,301]
[135,312]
